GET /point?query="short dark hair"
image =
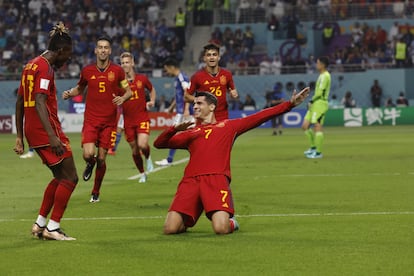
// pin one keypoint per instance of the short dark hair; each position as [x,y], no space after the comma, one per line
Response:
[211,46]
[324,60]
[59,37]
[210,98]
[171,62]
[106,38]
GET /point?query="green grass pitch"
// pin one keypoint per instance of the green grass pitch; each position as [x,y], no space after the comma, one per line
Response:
[351,213]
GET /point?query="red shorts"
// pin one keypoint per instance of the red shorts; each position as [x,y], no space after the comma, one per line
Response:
[132,131]
[51,159]
[206,192]
[102,136]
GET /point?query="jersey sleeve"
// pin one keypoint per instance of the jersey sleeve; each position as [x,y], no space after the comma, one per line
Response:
[230,83]
[244,124]
[43,80]
[193,85]
[169,138]
[83,82]
[148,84]
[185,84]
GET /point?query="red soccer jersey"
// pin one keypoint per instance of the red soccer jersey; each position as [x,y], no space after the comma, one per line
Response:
[219,85]
[135,109]
[38,77]
[102,85]
[210,145]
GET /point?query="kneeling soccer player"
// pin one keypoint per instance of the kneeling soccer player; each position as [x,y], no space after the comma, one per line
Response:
[206,182]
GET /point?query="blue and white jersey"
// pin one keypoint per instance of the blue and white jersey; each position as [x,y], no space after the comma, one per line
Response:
[181,83]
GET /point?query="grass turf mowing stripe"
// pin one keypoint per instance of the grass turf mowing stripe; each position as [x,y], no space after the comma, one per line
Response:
[160,168]
[384,213]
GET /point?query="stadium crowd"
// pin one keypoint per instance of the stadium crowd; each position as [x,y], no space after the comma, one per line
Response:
[135,26]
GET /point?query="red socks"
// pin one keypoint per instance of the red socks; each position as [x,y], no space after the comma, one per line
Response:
[62,195]
[48,198]
[138,162]
[99,175]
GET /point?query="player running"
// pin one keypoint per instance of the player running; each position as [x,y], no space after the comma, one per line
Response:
[181,84]
[206,182]
[36,110]
[107,88]
[215,80]
[136,119]
[318,107]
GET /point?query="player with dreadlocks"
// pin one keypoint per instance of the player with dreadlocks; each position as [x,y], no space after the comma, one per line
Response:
[36,117]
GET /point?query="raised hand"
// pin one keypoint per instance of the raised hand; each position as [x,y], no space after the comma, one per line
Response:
[298,98]
[184,125]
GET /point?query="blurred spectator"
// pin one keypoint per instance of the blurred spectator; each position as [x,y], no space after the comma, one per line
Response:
[259,11]
[235,103]
[327,34]
[180,24]
[393,32]
[265,66]
[376,94]
[334,103]
[348,101]
[273,98]
[400,53]
[276,65]
[244,11]
[402,100]
[248,38]
[291,21]
[389,103]
[74,69]
[273,23]
[162,104]
[249,103]
[153,11]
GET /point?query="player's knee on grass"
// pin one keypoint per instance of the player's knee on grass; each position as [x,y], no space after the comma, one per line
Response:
[220,221]
[174,224]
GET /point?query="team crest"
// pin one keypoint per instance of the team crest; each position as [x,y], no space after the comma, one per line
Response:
[139,84]
[223,80]
[111,76]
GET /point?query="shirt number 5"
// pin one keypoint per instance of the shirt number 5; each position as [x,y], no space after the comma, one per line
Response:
[207,133]
[102,87]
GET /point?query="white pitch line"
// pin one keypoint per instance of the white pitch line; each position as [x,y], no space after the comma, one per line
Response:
[157,169]
[343,174]
[240,216]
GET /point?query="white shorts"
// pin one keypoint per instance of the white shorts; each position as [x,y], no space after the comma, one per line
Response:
[121,121]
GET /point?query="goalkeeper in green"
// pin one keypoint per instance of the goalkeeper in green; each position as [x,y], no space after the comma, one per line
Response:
[318,107]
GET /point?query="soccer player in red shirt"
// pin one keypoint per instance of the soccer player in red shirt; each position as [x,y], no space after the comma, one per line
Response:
[107,88]
[36,117]
[206,183]
[215,80]
[136,119]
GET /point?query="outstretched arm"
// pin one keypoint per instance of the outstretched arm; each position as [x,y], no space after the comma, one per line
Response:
[170,138]
[244,124]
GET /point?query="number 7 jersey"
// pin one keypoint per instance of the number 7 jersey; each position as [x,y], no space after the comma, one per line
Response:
[218,85]
[38,77]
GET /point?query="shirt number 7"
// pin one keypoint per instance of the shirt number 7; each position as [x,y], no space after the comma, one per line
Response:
[207,133]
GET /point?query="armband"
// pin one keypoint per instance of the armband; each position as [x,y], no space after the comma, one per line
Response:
[124,84]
